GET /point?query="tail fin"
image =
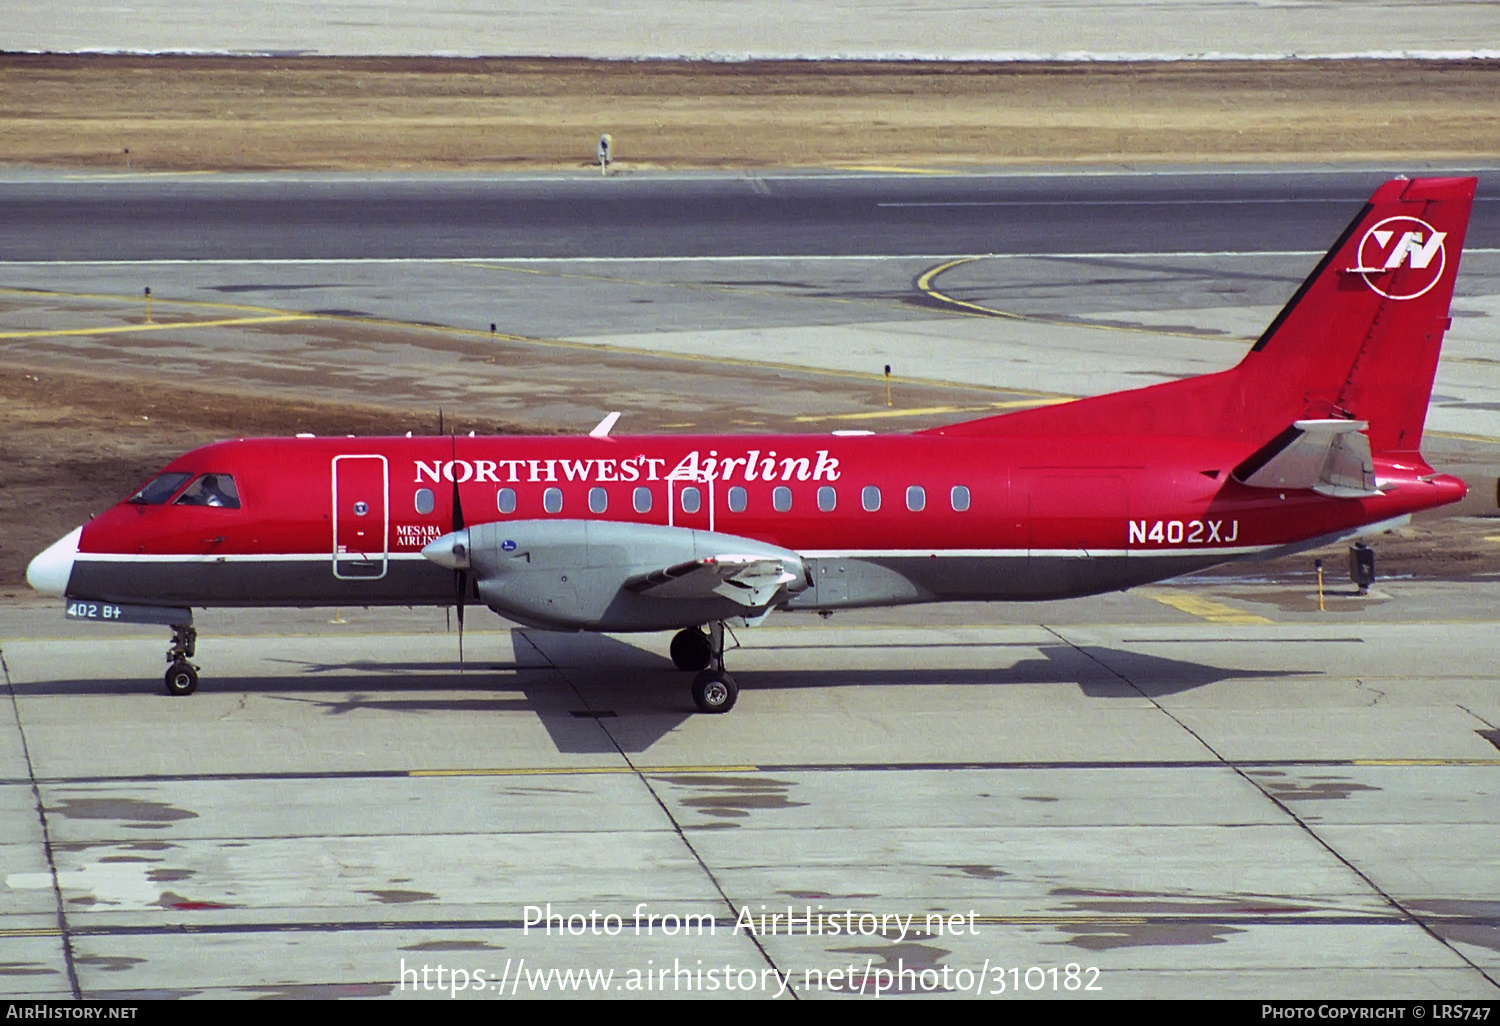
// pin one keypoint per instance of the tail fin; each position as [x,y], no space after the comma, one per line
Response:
[1359,340]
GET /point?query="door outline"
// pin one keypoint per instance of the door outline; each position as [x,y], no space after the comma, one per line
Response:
[385,530]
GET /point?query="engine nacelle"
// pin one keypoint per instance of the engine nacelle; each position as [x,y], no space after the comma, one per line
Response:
[590,575]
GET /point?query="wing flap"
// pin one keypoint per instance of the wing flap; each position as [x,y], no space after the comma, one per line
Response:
[750,581]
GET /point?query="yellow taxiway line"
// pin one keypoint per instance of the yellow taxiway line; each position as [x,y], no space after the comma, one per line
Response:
[1205,608]
[158,326]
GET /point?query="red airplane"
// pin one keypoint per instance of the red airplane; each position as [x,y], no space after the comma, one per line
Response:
[1313,437]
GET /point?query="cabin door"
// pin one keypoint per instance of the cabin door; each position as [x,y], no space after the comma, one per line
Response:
[361,517]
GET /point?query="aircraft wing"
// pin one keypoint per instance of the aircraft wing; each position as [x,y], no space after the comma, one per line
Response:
[750,581]
[1332,457]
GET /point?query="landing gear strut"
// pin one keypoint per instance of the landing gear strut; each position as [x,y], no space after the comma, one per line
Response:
[182,676]
[714,691]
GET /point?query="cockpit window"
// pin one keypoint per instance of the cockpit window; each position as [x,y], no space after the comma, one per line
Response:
[159,489]
[211,490]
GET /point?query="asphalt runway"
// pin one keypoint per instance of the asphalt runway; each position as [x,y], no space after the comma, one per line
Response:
[1209,787]
[345,217]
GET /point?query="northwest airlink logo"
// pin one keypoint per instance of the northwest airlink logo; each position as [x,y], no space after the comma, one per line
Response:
[1397,241]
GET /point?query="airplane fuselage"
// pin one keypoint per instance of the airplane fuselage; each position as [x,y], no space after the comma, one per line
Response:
[877,520]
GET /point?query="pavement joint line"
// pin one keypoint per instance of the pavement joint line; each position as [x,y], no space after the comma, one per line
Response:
[41,811]
[1328,918]
[580,770]
[645,779]
[1103,765]
[1302,823]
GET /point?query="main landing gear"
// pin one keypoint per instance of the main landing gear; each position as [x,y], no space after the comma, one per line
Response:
[182,676]
[714,690]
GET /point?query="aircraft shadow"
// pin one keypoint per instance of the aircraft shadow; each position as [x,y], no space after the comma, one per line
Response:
[616,697]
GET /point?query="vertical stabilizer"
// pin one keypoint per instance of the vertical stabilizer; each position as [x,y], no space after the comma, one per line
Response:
[1360,339]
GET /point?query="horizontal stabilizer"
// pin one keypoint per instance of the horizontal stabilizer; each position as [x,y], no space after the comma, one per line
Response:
[751,581]
[1331,457]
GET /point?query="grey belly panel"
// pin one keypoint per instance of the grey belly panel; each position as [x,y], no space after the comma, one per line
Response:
[258,583]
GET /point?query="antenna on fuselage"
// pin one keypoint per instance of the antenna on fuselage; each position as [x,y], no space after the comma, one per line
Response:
[605,426]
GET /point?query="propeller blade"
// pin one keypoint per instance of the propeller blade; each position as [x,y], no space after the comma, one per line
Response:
[460,577]
[463,586]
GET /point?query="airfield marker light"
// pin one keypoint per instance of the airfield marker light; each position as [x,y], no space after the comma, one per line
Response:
[606,144]
[888,384]
[1319,564]
[148,304]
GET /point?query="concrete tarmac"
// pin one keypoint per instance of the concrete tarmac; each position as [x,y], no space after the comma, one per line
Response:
[739,29]
[1300,807]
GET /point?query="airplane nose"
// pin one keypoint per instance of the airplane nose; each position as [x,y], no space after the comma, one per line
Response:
[48,573]
[451,550]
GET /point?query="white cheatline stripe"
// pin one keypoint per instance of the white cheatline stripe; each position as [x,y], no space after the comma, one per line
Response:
[261,557]
[292,557]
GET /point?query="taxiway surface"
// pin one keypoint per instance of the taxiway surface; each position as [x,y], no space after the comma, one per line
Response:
[1286,805]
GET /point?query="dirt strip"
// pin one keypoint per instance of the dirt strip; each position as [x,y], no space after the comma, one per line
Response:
[222,113]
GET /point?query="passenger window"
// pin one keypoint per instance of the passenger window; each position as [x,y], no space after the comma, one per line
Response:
[827,499]
[642,499]
[781,498]
[738,499]
[870,498]
[552,500]
[916,498]
[960,498]
[598,500]
[211,490]
[425,501]
[691,500]
[505,500]
[159,489]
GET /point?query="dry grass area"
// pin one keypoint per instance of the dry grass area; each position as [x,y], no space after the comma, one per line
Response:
[202,113]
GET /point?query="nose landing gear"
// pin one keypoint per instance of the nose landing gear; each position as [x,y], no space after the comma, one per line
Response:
[714,690]
[182,676]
